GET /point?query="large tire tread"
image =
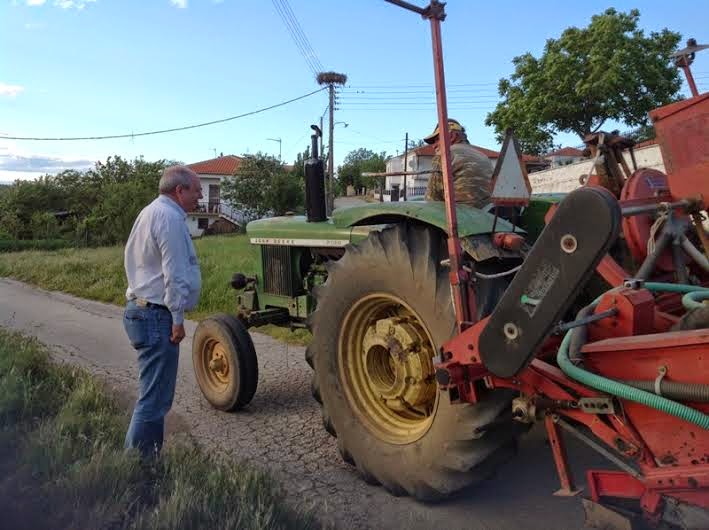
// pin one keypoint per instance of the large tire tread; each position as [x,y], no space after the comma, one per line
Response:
[455,456]
[238,343]
[249,368]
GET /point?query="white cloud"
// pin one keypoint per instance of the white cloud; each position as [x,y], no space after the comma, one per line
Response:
[41,163]
[181,4]
[63,4]
[75,4]
[35,25]
[22,163]
[10,90]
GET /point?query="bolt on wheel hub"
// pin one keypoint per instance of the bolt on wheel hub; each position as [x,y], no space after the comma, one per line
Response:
[217,363]
[385,360]
[396,363]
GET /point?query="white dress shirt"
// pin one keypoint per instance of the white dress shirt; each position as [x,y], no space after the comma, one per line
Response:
[160,260]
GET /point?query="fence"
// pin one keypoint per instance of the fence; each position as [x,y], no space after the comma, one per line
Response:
[222,208]
[567,178]
[412,193]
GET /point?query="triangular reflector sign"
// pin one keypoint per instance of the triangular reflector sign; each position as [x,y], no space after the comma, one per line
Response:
[510,184]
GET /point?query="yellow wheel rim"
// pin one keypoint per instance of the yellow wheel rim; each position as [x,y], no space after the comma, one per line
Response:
[215,365]
[385,362]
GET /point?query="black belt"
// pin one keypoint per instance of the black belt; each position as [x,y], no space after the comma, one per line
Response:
[150,304]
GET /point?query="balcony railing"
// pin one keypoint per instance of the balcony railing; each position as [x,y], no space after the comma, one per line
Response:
[219,208]
[207,207]
[412,192]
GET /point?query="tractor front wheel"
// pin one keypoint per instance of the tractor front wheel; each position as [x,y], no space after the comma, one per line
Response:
[381,317]
[225,363]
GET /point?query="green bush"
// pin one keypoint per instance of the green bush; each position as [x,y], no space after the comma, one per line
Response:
[16,245]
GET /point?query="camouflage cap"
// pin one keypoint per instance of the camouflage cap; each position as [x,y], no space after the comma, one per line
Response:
[453,125]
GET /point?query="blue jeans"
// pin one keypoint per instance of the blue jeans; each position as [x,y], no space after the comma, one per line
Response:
[149,330]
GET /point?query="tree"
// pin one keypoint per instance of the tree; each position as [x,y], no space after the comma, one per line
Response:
[360,161]
[106,198]
[263,187]
[122,189]
[298,170]
[10,225]
[607,71]
[44,225]
[642,133]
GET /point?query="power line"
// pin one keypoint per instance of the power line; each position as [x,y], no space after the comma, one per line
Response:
[298,36]
[163,131]
[381,140]
[428,91]
[413,103]
[414,109]
[696,73]
[425,85]
[293,144]
[303,37]
[296,40]
[414,99]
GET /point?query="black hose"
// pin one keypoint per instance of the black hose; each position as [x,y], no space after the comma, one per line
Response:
[695,392]
[579,335]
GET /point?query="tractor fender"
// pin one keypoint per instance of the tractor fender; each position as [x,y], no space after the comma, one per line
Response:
[471,221]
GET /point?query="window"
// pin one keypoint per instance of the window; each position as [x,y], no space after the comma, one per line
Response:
[202,223]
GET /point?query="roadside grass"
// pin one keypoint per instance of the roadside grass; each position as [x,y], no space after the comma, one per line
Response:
[62,465]
[98,274]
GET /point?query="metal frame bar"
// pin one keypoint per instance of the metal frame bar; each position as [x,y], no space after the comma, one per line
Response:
[460,366]
[463,298]
[558,448]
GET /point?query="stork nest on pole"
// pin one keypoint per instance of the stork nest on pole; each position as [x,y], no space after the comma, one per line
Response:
[331,78]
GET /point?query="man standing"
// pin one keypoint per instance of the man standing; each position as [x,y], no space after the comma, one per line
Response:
[472,170]
[163,281]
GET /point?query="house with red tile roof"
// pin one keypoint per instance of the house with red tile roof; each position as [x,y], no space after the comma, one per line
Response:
[213,215]
[421,158]
[564,156]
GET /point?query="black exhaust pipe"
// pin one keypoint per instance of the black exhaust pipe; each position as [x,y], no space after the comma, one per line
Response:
[315,182]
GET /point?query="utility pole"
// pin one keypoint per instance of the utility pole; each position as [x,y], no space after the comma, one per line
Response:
[331,79]
[320,137]
[330,159]
[406,161]
[279,145]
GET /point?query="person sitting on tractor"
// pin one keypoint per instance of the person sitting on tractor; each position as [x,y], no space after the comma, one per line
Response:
[472,170]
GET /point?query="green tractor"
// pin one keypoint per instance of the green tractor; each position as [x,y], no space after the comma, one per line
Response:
[372,284]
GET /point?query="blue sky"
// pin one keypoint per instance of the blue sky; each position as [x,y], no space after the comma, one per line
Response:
[101,67]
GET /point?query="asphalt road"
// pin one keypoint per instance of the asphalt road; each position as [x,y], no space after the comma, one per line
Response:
[281,430]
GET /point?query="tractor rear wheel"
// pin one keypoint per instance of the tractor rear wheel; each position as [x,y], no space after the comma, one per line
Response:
[381,317]
[225,364]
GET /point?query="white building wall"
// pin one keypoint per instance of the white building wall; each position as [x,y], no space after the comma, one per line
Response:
[414,163]
[206,180]
[567,178]
[558,160]
[192,218]
[192,226]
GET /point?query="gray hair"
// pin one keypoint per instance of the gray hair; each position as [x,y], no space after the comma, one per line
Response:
[174,176]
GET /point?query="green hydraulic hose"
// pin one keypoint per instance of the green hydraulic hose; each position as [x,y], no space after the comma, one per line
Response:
[692,293]
[623,391]
[627,392]
[694,299]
